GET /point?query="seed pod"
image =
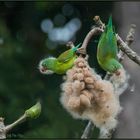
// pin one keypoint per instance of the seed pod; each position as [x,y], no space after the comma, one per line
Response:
[80,76]
[78,60]
[34,111]
[74,76]
[79,70]
[82,85]
[87,73]
[81,64]
[87,94]
[76,84]
[73,103]
[89,80]
[90,86]
[84,100]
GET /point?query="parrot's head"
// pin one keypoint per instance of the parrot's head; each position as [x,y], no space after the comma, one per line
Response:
[46,65]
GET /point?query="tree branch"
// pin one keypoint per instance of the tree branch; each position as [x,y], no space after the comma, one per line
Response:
[18,121]
[5,129]
[31,113]
[123,46]
[87,131]
[94,31]
[129,52]
[2,129]
[129,41]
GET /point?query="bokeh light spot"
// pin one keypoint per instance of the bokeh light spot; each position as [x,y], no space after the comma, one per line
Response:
[46,25]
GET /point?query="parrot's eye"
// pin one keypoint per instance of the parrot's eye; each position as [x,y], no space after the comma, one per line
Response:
[43,64]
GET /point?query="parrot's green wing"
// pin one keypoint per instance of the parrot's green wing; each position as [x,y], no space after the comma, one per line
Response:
[107,46]
[67,55]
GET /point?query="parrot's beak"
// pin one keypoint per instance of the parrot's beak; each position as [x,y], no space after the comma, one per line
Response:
[43,70]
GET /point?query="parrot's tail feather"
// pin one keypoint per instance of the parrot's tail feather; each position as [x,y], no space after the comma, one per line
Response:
[110,22]
[75,48]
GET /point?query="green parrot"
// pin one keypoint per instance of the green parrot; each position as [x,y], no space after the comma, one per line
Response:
[107,50]
[60,64]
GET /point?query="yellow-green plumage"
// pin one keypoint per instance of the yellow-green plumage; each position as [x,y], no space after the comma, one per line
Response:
[62,63]
[34,111]
[107,49]
[61,67]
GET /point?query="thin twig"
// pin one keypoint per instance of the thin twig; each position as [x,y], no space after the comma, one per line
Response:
[5,129]
[94,31]
[129,52]
[2,129]
[87,132]
[32,112]
[17,122]
[70,44]
[99,22]
[129,41]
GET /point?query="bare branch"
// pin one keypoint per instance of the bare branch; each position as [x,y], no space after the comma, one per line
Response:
[87,131]
[70,44]
[32,112]
[2,129]
[129,52]
[99,22]
[20,120]
[129,41]
[130,36]
[5,129]
[94,31]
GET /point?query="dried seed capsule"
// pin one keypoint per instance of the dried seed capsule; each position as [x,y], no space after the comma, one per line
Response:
[81,64]
[78,60]
[87,73]
[79,70]
[76,84]
[73,102]
[90,86]
[80,76]
[74,76]
[84,100]
[89,80]
[87,94]
[82,85]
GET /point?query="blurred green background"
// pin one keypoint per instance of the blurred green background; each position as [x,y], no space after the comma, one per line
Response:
[30,31]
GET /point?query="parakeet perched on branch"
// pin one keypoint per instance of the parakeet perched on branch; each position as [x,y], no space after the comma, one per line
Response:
[60,64]
[107,50]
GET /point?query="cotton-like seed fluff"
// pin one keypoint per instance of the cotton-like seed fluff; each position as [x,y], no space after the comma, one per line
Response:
[86,96]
